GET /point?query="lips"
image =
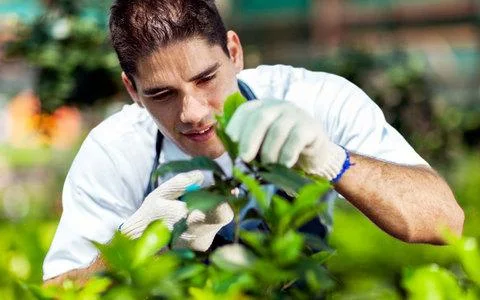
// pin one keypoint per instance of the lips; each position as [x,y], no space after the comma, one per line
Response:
[201,135]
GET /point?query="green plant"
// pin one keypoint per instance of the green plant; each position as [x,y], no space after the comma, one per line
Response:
[280,262]
[435,282]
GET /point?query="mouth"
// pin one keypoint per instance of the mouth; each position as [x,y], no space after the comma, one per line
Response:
[202,135]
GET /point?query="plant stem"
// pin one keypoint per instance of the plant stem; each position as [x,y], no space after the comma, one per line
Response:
[237,227]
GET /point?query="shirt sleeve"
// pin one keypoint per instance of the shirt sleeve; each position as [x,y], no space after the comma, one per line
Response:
[355,122]
[96,200]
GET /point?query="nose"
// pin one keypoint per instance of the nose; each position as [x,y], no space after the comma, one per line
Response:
[194,110]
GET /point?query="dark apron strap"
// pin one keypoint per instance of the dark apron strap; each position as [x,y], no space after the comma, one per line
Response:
[152,182]
[246,91]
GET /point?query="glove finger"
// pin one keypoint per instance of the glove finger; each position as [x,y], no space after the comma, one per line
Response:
[138,219]
[199,238]
[300,137]
[204,231]
[169,211]
[134,227]
[276,136]
[200,235]
[136,233]
[256,126]
[195,216]
[222,214]
[176,186]
[237,122]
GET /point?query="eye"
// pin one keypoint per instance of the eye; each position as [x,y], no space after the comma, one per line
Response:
[207,79]
[162,97]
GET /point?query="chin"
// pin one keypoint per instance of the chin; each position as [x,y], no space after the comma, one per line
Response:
[212,150]
[211,153]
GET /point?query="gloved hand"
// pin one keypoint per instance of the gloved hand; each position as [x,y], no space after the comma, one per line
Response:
[287,135]
[162,204]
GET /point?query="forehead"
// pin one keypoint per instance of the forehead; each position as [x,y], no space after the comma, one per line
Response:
[178,61]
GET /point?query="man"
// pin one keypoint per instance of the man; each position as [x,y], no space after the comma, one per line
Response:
[179,65]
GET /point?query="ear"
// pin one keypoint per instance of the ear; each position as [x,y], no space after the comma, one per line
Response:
[235,49]
[132,91]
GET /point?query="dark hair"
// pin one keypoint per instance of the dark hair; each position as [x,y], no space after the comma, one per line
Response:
[139,27]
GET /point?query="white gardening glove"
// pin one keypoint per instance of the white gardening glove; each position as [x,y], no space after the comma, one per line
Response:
[283,133]
[162,204]
[202,228]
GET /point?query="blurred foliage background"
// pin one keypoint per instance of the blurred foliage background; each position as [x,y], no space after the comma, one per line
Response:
[419,60]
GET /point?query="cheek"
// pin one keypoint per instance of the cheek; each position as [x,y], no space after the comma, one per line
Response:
[216,103]
[229,87]
[164,116]
[213,96]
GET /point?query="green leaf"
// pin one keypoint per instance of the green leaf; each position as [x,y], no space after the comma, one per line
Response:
[469,253]
[253,187]
[470,258]
[272,274]
[306,215]
[231,104]
[203,200]
[197,163]
[473,293]
[231,286]
[119,252]
[179,228]
[315,243]
[285,178]
[157,273]
[431,282]
[281,206]
[288,247]
[237,203]
[322,256]
[316,276]
[256,240]
[122,292]
[307,205]
[282,217]
[183,254]
[230,146]
[43,292]
[155,237]
[233,257]
[166,289]
[310,195]
[229,107]
[201,294]
[94,287]
[190,271]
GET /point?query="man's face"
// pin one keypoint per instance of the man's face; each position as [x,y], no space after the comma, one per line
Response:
[183,85]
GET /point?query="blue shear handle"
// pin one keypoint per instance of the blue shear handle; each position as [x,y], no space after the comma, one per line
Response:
[191,188]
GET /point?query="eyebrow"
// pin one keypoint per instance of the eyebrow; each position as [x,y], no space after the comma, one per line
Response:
[207,71]
[157,90]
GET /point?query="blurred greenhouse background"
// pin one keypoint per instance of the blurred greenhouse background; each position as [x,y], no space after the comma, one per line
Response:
[419,60]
